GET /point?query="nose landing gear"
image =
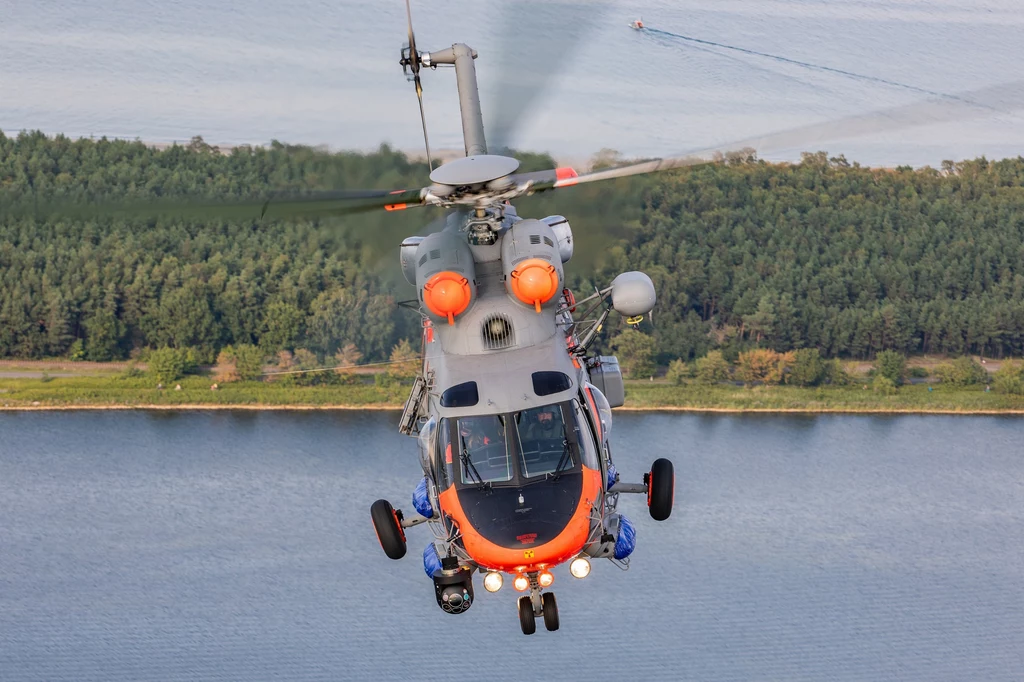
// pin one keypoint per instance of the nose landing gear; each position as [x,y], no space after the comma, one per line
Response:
[550,610]
[527,619]
[536,605]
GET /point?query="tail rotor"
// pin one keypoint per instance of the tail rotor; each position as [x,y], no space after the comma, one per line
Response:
[411,64]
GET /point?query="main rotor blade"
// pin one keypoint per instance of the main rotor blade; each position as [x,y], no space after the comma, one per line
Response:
[1003,98]
[270,207]
[387,261]
[554,29]
[341,203]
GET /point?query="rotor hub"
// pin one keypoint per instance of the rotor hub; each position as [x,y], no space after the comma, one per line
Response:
[480,169]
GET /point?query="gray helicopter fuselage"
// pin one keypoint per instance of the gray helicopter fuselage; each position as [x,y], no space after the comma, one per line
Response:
[502,364]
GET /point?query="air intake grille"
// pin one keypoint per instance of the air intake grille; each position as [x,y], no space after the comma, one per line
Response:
[535,239]
[498,332]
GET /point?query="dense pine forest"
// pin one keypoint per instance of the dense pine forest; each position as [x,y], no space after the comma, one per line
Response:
[744,253]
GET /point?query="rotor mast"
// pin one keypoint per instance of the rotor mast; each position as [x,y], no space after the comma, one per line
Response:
[462,56]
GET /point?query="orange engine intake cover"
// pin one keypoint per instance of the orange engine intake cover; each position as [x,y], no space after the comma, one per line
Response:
[447,294]
[534,282]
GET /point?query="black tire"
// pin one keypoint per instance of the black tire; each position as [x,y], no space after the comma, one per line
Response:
[527,621]
[550,611]
[389,530]
[661,489]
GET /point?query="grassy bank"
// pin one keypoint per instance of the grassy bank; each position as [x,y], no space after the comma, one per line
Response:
[102,392]
[914,398]
[118,392]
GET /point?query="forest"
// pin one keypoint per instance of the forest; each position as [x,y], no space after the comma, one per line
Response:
[745,254]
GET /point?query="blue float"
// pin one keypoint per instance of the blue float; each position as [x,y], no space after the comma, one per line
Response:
[626,542]
[421,500]
[431,561]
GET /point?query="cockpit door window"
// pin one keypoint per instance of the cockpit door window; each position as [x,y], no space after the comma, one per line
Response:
[588,444]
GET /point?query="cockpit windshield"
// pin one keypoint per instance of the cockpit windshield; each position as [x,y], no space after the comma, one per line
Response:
[519,447]
[483,450]
[545,447]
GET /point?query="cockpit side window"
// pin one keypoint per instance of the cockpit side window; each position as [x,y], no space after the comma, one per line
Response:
[443,460]
[483,450]
[588,444]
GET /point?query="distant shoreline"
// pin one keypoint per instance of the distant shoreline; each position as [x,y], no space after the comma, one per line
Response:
[129,392]
[198,407]
[194,407]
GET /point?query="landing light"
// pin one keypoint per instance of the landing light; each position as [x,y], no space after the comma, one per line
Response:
[493,581]
[521,583]
[545,578]
[579,568]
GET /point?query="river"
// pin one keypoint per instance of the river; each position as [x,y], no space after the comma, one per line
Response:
[326,72]
[238,546]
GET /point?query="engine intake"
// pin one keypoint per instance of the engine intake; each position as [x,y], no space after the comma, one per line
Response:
[445,275]
[532,263]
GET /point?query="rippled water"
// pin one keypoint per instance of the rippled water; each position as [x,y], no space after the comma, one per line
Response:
[325,72]
[218,545]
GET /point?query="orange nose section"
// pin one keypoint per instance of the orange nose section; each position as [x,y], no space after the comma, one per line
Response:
[447,294]
[534,282]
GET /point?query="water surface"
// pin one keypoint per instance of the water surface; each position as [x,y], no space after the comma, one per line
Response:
[317,72]
[238,546]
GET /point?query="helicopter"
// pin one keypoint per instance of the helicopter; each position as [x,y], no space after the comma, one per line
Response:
[511,411]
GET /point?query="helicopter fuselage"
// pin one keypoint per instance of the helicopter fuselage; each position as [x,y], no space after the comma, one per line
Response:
[498,365]
[512,415]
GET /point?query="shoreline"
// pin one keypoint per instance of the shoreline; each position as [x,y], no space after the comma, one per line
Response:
[195,407]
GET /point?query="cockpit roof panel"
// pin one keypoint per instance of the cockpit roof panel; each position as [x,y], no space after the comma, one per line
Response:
[504,379]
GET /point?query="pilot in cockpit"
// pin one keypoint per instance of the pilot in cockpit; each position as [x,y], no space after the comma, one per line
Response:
[545,424]
[472,436]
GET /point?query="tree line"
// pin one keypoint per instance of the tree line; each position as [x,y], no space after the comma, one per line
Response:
[745,254]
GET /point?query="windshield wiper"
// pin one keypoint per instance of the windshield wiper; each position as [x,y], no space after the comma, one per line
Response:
[564,461]
[468,462]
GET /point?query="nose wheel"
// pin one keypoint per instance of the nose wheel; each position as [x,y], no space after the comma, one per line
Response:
[550,611]
[527,620]
[528,616]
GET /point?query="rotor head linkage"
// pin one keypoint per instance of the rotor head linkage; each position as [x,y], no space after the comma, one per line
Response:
[484,226]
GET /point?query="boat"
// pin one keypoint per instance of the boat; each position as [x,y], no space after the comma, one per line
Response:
[637,24]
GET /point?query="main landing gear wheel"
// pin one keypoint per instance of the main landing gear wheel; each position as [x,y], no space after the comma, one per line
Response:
[550,607]
[527,621]
[661,489]
[388,525]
